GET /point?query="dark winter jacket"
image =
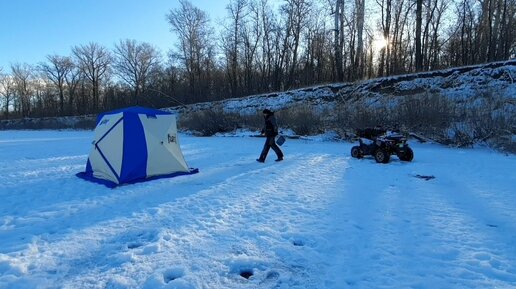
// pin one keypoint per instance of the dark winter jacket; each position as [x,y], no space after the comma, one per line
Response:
[271,127]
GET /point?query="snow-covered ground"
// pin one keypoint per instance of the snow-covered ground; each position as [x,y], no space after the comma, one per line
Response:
[319,219]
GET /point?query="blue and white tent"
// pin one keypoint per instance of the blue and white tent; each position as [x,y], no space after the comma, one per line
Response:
[135,144]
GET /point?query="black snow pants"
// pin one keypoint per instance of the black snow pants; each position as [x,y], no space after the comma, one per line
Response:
[270,142]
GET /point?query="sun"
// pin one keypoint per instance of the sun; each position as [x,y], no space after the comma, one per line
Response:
[379,43]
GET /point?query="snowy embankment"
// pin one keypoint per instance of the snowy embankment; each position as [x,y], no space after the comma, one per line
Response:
[460,84]
[319,219]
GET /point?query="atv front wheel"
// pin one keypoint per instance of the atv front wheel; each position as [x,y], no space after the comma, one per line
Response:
[382,156]
[407,156]
[356,153]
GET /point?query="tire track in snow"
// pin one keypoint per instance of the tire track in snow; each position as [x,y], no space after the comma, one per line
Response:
[224,221]
[473,217]
[482,251]
[359,260]
[225,213]
[406,232]
[42,213]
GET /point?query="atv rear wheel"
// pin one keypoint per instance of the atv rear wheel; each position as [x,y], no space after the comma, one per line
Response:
[407,156]
[356,153]
[382,156]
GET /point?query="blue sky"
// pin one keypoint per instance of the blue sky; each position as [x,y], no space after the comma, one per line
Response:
[32,29]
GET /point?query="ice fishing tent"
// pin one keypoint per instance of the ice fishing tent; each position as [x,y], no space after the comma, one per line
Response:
[135,144]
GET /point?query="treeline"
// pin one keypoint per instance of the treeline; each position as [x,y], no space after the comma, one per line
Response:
[263,46]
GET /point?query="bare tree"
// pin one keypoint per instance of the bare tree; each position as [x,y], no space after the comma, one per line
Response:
[269,44]
[360,19]
[431,7]
[7,92]
[195,49]
[72,80]
[386,18]
[482,32]
[494,29]
[436,44]
[251,33]
[296,12]
[94,61]
[419,21]
[507,36]
[232,41]
[460,47]
[134,62]
[43,102]
[399,41]
[57,70]
[339,38]
[22,76]
[316,64]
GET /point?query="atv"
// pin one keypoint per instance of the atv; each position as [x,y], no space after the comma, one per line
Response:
[382,144]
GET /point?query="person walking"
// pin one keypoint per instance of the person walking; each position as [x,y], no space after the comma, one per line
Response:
[270,130]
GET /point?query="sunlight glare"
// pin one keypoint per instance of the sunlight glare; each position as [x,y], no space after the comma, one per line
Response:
[379,43]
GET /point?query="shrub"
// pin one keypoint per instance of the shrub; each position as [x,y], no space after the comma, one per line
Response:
[428,114]
[302,119]
[352,116]
[209,122]
[252,122]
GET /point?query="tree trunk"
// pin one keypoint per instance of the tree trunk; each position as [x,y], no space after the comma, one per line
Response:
[338,44]
[419,55]
[360,4]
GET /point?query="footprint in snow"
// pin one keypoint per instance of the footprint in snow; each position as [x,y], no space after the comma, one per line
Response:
[134,245]
[172,274]
[270,277]
[298,242]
